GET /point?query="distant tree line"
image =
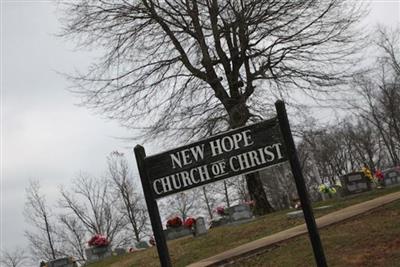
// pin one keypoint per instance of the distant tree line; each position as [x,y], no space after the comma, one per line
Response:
[370,134]
[113,206]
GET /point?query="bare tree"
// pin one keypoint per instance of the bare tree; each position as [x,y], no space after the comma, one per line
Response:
[209,200]
[327,152]
[73,236]
[230,191]
[133,206]
[239,185]
[92,203]
[192,68]
[184,204]
[388,41]
[38,214]
[15,258]
[366,143]
[380,92]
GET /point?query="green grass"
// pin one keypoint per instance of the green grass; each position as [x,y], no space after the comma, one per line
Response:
[188,250]
[372,239]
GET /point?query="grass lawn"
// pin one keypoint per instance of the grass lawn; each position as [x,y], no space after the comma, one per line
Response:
[372,239]
[188,250]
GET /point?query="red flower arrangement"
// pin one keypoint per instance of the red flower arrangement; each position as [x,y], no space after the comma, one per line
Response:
[220,211]
[379,175]
[190,222]
[98,241]
[174,222]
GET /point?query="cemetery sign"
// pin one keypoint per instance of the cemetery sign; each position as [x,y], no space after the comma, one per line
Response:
[222,156]
[239,151]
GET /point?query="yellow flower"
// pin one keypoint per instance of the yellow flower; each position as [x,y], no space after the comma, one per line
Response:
[367,173]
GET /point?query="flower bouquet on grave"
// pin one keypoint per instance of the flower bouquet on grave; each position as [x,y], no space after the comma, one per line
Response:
[99,244]
[251,204]
[221,218]
[190,222]
[221,211]
[174,222]
[379,178]
[98,241]
[327,189]
[368,174]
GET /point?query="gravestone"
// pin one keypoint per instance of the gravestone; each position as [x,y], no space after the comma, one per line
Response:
[354,183]
[391,177]
[200,228]
[240,212]
[142,245]
[219,221]
[62,262]
[237,214]
[119,251]
[177,232]
[94,254]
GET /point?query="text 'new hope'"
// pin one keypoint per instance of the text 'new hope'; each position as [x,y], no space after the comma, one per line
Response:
[236,161]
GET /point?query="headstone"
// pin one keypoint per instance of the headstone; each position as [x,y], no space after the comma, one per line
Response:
[200,227]
[237,214]
[177,232]
[391,177]
[94,254]
[119,251]
[62,262]
[240,212]
[219,221]
[142,245]
[354,183]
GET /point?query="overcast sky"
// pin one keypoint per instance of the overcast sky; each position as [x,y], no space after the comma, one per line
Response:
[44,135]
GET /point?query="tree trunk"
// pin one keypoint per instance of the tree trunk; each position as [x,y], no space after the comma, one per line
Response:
[257,194]
[207,203]
[53,254]
[228,204]
[239,115]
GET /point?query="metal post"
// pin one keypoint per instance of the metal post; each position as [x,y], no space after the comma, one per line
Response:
[152,208]
[300,184]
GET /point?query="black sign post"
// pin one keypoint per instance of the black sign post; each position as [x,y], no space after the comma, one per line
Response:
[240,151]
[152,208]
[300,184]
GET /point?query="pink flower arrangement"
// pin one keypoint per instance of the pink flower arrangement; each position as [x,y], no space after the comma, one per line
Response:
[250,203]
[220,211]
[98,241]
[190,222]
[174,222]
